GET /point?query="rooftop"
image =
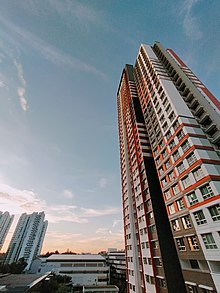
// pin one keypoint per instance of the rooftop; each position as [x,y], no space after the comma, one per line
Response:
[20,282]
[75,257]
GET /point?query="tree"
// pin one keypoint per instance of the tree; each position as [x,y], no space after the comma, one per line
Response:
[57,283]
[14,268]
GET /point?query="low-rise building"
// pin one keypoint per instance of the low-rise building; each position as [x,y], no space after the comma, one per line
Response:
[100,289]
[20,283]
[84,269]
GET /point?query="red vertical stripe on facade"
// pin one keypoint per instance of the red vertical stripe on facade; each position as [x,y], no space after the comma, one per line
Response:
[211,97]
[176,57]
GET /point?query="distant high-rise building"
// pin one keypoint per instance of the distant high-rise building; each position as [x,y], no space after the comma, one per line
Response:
[169,133]
[5,224]
[27,239]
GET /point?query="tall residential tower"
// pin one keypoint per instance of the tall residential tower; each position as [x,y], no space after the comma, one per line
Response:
[27,239]
[5,224]
[169,133]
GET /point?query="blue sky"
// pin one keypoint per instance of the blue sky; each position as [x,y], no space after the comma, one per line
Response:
[61,62]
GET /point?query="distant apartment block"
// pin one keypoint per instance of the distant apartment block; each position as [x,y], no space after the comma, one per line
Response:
[27,239]
[116,261]
[169,133]
[5,224]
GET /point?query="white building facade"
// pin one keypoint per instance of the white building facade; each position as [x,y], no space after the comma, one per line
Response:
[169,133]
[5,223]
[84,269]
[27,239]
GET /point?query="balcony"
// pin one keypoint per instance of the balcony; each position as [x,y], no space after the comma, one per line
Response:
[198,110]
[216,138]
[203,118]
[189,97]
[210,128]
[194,103]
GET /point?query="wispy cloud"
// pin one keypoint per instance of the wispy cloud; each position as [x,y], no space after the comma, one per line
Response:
[98,213]
[48,51]
[20,72]
[103,182]
[103,231]
[23,101]
[61,236]
[70,11]
[75,10]
[105,238]
[2,56]
[68,194]
[190,21]
[3,84]
[116,223]
[18,201]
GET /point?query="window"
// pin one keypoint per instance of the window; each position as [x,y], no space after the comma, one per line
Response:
[209,241]
[162,119]
[161,282]
[150,215]
[198,174]
[176,189]
[161,144]
[152,228]
[171,176]
[176,155]
[168,134]
[186,181]
[215,212]
[149,279]
[164,154]
[158,261]
[167,194]
[168,109]
[180,168]
[194,264]
[171,209]
[167,164]
[186,222]
[164,181]
[165,102]
[180,204]
[155,244]
[172,117]
[180,244]
[172,144]
[191,159]
[149,261]
[193,244]
[200,217]
[180,135]
[185,146]
[176,125]
[165,126]
[161,171]
[175,225]
[192,289]
[192,198]
[206,191]
[207,291]
[158,161]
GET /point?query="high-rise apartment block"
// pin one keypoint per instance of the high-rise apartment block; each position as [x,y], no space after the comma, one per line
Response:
[5,224]
[169,133]
[27,239]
